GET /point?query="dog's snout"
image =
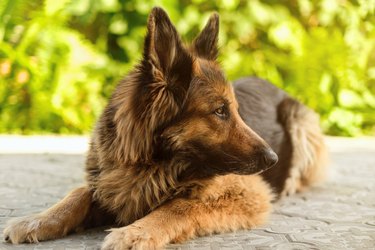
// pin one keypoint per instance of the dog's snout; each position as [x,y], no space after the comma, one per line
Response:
[269,158]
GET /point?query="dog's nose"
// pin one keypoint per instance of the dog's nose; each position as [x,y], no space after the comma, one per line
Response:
[269,158]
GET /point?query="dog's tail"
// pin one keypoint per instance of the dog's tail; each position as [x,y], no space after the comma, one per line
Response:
[309,156]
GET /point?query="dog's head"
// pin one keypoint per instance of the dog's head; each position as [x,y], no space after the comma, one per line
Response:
[181,106]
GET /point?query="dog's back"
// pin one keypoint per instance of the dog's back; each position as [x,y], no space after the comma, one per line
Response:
[259,101]
[289,127]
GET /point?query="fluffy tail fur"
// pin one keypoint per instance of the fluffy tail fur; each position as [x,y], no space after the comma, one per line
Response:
[309,158]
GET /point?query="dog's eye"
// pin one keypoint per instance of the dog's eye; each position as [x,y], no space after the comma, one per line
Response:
[221,112]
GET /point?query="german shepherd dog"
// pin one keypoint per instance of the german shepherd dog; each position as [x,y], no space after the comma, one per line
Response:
[178,151]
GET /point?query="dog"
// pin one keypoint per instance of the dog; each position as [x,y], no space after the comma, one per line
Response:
[180,152]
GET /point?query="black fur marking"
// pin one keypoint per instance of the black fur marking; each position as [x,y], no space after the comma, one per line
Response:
[205,45]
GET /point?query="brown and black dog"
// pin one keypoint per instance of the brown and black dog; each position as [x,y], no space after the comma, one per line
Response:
[178,152]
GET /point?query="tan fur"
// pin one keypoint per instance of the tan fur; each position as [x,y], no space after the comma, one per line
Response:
[309,158]
[53,223]
[141,191]
[223,204]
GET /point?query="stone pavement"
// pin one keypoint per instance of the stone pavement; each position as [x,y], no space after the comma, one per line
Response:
[339,214]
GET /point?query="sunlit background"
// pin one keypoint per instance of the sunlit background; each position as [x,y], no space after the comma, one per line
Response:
[60,60]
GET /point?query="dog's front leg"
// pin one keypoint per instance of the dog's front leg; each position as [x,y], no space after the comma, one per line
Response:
[183,219]
[53,223]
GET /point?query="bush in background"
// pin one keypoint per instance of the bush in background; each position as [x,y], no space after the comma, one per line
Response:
[60,60]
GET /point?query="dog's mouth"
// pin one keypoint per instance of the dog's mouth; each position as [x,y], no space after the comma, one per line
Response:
[241,168]
[264,170]
[220,161]
[253,171]
[256,165]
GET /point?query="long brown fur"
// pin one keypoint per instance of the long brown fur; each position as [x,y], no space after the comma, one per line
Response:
[171,158]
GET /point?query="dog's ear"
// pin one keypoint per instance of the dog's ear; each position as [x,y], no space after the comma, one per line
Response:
[205,44]
[157,90]
[170,62]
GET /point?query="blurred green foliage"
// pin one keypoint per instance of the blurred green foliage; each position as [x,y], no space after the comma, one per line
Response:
[60,60]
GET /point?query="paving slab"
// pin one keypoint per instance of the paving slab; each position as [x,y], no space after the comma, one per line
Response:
[36,172]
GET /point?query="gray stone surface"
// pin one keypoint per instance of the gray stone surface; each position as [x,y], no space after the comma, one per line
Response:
[338,214]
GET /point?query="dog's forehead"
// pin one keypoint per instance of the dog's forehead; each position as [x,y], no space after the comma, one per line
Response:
[212,86]
[209,71]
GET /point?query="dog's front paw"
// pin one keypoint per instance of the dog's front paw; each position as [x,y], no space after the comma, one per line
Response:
[22,230]
[292,186]
[130,237]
